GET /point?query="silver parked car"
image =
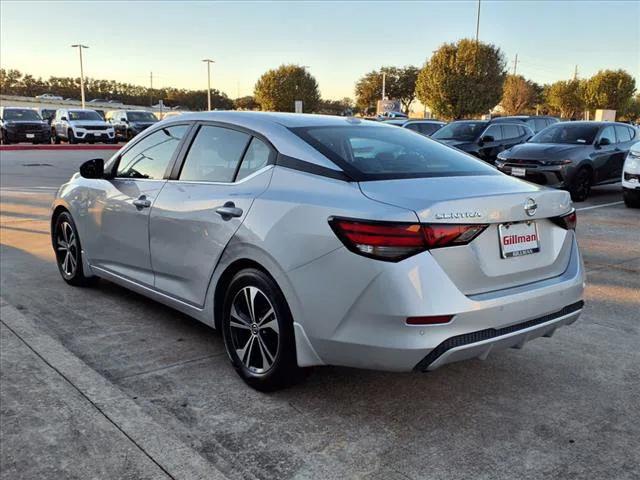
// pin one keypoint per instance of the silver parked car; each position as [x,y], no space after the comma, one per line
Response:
[315,240]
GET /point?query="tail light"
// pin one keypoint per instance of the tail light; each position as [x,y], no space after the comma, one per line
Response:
[567,221]
[393,241]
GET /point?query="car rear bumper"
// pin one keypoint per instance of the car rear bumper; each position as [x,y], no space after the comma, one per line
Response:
[369,330]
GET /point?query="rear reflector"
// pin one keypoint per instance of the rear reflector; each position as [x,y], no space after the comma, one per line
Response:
[567,221]
[433,320]
[393,241]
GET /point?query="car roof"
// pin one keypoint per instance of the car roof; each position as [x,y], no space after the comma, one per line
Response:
[424,120]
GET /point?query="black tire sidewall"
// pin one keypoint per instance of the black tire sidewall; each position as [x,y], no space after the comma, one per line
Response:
[581,176]
[78,278]
[285,365]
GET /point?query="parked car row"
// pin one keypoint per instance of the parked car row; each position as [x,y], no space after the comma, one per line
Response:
[73,125]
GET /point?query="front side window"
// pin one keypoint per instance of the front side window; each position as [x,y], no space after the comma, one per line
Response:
[511,131]
[539,124]
[214,155]
[150,157]
[367,152]
[493,131]
[566,133]
[609,134]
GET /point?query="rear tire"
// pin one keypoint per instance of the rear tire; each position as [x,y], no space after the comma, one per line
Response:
[631,198]
[66,244]
[580,185]
[258,332]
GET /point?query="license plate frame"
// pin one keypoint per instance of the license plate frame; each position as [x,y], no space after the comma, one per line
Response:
[518,247]
[518,171]
[30,135]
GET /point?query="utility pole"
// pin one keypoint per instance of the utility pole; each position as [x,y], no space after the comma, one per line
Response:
[79,46]
[151,89]
[515,66]
[208,62]
[384,85]
[575,73]
[478,24]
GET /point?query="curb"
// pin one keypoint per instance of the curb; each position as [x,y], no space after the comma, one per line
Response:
[175,458]
[60,147]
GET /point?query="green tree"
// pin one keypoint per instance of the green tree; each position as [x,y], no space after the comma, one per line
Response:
[632,111]
[609,89]
[565,98]
[462,79]
[518,95]
[400,84]
[246,103]
[278,89]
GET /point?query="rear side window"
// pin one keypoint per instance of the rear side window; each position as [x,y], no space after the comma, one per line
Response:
[413,126]
[150,157]
[539,124]
[257,156]
[510,131]
[214,155]
[428,128]
[371,152]
[493,131]
[623,133]
[609,134]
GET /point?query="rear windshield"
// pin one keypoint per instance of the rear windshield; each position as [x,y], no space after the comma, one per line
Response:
[84,115]
[566,133]
[465,131]
[20,114]
[375,152]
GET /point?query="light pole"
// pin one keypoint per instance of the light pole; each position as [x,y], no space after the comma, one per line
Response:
[208,62]
[79,46]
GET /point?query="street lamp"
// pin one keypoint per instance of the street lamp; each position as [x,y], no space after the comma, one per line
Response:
[209,62]
[79,46]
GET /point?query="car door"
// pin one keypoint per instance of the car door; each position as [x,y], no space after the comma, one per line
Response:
[624,136]
[198,212]
[488,150]
[119,236]
[604,154]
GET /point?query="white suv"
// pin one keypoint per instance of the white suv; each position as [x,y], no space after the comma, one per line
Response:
[79,125]
[631,177]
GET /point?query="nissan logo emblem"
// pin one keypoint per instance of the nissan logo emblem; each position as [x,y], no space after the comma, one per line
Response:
[531,207]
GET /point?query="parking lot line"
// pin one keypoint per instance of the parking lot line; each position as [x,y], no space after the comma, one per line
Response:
[599,206]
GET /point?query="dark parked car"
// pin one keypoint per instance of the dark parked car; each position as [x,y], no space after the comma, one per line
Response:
[572,155]
[482,138]
[536,123]
[22,125]
[129,123]
[423,127]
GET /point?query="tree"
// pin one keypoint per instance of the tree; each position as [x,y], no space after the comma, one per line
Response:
[632,111]
[246,103]
[400,84]
[518,95]
[462,79]
[278,89]
[565,98]
[609,89]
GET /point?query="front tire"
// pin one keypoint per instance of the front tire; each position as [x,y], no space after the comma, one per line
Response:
[631,198]
[71,137]
[54,137]
[580,185]
[258,332]
[66,244]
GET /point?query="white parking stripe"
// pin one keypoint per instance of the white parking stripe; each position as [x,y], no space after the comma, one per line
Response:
[599,206]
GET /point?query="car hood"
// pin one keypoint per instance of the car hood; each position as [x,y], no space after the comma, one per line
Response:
[26,122]
[461,144]
[544,151]
[97,123]
[142,124]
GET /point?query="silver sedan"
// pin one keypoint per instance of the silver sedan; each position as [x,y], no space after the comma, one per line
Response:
[316,240]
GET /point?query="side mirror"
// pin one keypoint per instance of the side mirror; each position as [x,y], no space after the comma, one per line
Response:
[64,119]
[486,139]
[92,168]
[124,120]
[604,142]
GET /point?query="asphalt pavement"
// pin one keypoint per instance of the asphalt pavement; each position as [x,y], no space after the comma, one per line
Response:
[104,383]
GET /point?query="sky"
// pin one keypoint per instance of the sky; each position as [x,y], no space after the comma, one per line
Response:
[338,41]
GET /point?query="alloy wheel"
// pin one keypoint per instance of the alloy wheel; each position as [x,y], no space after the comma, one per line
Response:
[67,249]
[255,334]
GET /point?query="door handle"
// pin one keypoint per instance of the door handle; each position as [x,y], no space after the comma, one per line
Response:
[142,202]
[228,211]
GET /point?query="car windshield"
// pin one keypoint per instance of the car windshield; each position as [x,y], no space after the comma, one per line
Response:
[371,152]
[84,115]
[20,114]
[141,117]
[567,133]
[467,131]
